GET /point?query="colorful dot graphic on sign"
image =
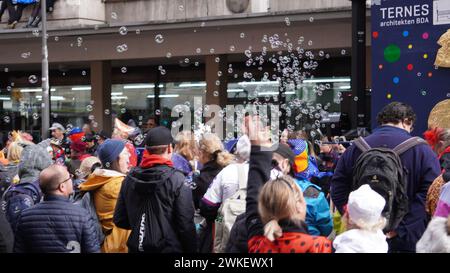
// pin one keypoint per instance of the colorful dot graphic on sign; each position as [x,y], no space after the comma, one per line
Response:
[410,46]
[425,35]
[430,74]
[389,96]
[380,66]
[410,67]
[375,34]
[423,92]
[425,56]
[392,53]
[405,33]
[396,80]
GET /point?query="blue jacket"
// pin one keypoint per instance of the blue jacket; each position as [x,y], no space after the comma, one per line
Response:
[55,225]
[422,166]
[318,216]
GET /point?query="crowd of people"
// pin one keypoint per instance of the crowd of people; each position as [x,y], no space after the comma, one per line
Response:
[15,9]
[85,191]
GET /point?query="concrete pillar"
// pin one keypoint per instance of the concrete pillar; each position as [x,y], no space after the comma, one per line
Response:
[212,68]
[101,94]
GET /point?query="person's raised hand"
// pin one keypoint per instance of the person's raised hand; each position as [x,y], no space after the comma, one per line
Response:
[257,133]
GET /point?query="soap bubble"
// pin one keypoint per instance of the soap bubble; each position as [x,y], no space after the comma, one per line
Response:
[159,38]
[32,79]
[123,30]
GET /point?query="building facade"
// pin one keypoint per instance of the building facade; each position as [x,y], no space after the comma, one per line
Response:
[139,58]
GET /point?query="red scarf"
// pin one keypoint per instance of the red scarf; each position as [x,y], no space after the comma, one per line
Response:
[149,160]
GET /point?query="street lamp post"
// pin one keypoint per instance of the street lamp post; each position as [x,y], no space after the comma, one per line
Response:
[45,112]
[358,63]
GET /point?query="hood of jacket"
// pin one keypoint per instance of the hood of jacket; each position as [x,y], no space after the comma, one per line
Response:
[33,160]
[99,178]
[145,181]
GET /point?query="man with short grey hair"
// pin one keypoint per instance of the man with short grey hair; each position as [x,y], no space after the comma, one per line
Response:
[56,224]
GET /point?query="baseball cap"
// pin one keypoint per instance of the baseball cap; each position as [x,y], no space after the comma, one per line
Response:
[158,136]
[57,125]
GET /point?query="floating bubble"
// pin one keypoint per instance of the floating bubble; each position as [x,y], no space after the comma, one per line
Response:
[423,93]
[232,48]
[217,82]
[198,50]
[123,110]
[242,35]
[26,55]
[163,72]
[248,53]
[35,32]
[216,93]
[114,15]
[138,31]
[35,116]
[180,7]
[310,43]
[212,50]
[123,30]
[186,60]
[203,24]
[6,119]
[355,98]
[217,59]
[159,38]
[287,21]
[89,108]
[196,63]
[157,112]
[122,48]
[448,95]
[419,74]
[32,79]
[91,117]
[332,125]
[230,70]
[168,55]
[343,52]
[219,73]
[311,19]
[83,73]
[123,70]
[56,38]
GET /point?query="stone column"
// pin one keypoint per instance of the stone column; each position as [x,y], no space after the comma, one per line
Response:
[101,94]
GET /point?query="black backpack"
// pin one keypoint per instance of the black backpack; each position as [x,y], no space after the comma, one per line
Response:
[383,170]
[151,230]
[148,234]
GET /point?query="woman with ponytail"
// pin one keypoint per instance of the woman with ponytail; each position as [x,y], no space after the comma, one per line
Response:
[213,157]
[275,209]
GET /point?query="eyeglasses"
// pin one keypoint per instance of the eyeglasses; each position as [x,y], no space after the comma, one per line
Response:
[62,182]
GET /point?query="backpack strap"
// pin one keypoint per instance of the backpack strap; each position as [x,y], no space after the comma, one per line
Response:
[362,144]
[241,177]
[408,144]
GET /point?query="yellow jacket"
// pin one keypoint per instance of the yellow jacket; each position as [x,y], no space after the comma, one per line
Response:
[105,185]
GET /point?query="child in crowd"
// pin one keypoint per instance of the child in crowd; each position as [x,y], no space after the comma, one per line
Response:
[364,224]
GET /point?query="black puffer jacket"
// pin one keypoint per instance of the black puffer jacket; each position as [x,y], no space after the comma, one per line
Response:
[207,175]
[176,202]
[56,225]
[237,242]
